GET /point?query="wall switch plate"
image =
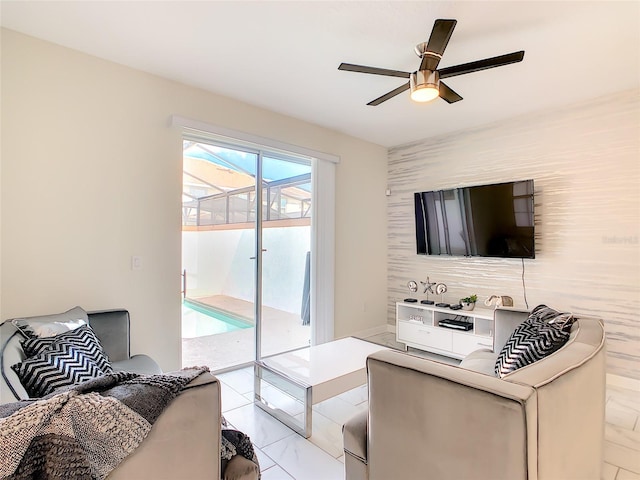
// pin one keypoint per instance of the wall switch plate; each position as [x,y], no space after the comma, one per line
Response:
[136,263]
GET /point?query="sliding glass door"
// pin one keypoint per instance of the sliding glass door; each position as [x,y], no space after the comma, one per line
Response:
[286,254]
[246,263]
[218,242]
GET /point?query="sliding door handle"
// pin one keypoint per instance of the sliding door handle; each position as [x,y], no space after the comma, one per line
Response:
[253,258]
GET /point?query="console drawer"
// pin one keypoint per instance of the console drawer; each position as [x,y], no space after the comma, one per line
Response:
[418,334]
[465,344]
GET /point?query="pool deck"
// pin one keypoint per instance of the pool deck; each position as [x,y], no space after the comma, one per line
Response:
[281,331]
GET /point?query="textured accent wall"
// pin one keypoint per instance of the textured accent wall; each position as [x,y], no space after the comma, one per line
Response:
[585,162]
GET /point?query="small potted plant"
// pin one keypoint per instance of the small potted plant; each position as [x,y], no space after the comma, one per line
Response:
[468,303]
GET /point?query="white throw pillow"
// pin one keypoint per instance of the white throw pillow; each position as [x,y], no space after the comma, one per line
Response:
[51,325]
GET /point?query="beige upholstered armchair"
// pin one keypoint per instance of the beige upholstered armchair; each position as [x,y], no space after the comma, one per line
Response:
[436,421]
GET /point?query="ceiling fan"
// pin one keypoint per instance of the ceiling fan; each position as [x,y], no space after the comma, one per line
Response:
[425,83]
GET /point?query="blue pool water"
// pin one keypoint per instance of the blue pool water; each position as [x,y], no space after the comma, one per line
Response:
[201,320]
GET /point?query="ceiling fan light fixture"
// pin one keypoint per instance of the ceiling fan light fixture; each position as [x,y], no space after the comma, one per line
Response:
[424,85]
[425,93]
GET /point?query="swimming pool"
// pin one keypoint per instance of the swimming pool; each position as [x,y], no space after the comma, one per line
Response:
[200,320]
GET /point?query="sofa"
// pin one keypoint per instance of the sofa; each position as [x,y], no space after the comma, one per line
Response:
[426,419]
[184,441]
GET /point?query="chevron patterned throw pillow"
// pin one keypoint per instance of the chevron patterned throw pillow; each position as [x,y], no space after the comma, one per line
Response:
[60,365]
[82,338]
[545,331]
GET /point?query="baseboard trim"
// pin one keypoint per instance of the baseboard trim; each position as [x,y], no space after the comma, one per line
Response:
[623,382]
[373,331]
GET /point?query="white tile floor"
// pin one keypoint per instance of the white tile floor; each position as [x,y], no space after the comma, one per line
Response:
[283,454]
[622,435]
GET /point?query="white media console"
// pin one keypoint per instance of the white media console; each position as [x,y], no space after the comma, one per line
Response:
[417,326]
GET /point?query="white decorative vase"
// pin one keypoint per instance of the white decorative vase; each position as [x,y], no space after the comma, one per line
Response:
[468,306]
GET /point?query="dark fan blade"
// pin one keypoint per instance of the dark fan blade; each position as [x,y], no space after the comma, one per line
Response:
[376,71]
[448,95]
[481,64]
[440,35]
[389,95]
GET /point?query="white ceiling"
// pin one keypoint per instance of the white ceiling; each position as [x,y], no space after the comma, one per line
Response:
[283,56]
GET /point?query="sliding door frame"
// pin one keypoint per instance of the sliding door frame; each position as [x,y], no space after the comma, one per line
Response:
[322,218]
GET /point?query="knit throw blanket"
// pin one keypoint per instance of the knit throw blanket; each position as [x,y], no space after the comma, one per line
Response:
[86,430]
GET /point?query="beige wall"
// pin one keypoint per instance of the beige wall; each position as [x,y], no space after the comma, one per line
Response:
[91,175]
[585,162]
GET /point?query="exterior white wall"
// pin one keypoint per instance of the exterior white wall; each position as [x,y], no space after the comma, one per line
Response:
[584,160]
[92,174]
[218,263]
[208,257]
[283,267]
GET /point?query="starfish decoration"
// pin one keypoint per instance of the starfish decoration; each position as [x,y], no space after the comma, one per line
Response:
[428,286]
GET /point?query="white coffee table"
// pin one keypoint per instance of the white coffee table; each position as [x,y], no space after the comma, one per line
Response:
[312,375]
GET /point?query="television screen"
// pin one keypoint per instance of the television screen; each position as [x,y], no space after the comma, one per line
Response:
[481,221]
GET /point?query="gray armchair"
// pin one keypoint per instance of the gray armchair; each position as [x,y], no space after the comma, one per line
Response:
[426,419]
[185,440]
[110,326]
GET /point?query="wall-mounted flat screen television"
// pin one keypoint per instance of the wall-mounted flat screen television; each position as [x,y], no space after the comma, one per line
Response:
[481,221]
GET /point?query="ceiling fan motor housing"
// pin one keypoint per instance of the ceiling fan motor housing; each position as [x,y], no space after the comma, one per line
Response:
[424,78]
